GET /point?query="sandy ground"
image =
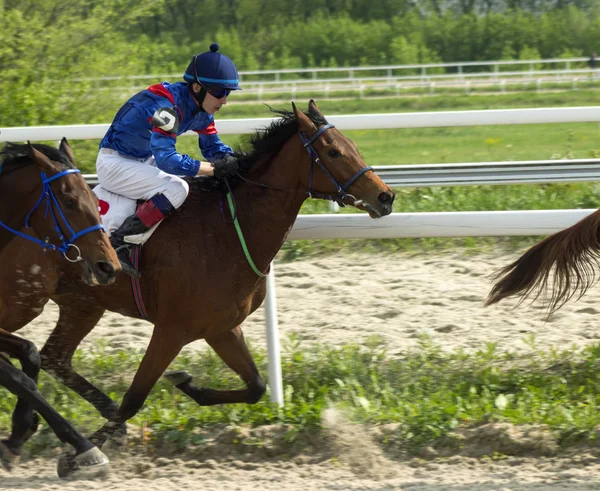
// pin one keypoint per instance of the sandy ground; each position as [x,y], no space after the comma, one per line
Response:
[336,300]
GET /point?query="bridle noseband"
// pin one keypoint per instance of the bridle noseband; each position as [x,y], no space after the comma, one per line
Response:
[65,244]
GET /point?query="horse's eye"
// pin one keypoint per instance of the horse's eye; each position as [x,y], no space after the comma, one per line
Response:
[70,203]
[333,153]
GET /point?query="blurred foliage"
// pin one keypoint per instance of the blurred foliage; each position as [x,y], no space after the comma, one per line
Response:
[47,49]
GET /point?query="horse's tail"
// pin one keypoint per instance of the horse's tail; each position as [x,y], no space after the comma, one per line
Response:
[571,255]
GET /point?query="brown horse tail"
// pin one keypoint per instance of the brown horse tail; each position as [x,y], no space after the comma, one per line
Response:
[564,262]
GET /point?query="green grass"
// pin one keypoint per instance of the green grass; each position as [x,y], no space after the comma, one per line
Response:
[429,391]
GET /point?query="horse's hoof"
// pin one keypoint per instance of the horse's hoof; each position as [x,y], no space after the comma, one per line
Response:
[8,459]
[89,464]
[178,377]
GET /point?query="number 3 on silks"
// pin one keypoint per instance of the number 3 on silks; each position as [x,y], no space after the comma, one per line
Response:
[166,119]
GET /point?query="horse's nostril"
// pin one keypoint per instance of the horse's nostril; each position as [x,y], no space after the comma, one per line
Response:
[105,268]
[386,198]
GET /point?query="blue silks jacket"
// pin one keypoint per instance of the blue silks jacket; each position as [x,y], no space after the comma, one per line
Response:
[132,135]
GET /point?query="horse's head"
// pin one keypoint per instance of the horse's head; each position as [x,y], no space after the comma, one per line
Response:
[337,171]
[76,216]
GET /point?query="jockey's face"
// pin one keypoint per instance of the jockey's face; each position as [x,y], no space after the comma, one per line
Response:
[211,104]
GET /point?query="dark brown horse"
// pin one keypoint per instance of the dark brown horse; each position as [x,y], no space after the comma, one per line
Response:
[28,174]
[196,280]
[562,265]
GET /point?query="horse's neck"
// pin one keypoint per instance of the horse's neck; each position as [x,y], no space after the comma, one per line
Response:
[19,190]
[267,215]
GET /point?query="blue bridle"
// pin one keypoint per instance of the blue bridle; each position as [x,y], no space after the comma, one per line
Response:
[314,158]
[50,199]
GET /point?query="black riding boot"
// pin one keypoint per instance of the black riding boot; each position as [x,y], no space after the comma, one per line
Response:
[131,226]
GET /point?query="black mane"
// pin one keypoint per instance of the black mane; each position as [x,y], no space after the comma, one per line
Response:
[264,142]
[269,141]
[14,155]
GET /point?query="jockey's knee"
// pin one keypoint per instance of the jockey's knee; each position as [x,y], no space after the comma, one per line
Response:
[177,192]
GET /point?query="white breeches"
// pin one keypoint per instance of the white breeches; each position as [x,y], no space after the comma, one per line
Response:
[138,179]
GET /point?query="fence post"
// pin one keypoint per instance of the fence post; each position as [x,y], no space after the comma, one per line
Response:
[273,345]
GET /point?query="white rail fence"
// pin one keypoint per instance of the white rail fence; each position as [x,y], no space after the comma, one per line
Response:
[279,75]
[588,114]
[500,75]
[445,224]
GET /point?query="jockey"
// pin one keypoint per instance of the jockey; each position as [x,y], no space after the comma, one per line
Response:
[137,156]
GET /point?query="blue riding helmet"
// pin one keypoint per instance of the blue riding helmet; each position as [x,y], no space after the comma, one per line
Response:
[213,71]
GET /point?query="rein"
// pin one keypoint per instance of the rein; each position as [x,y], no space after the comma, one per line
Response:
[314,158]
[50,200]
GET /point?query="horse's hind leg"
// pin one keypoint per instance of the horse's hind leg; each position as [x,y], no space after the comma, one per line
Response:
[232,349]
[24,420]
[77,318]
[86,455]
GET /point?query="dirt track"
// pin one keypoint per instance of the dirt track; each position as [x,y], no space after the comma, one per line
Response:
[337,300]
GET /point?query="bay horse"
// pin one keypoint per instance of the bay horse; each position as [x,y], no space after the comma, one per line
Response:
[563,265]
[69,222]
[197,281]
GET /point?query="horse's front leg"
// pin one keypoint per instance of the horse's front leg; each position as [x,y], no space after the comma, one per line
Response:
[24,420]
[232,349]
[86,458]
[162,350]
[78,316]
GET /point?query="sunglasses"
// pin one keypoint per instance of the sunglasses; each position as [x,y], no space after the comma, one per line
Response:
[216,93]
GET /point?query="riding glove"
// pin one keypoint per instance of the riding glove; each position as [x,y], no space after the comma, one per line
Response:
[225,166]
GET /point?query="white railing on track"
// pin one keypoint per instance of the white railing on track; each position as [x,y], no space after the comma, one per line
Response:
[586,114]
[246,75]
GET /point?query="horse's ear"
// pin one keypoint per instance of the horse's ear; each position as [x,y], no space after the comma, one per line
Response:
[44,163]
[312,106]
[304,124]
[66,149]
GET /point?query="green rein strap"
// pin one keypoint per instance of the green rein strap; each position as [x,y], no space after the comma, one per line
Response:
[241,236]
